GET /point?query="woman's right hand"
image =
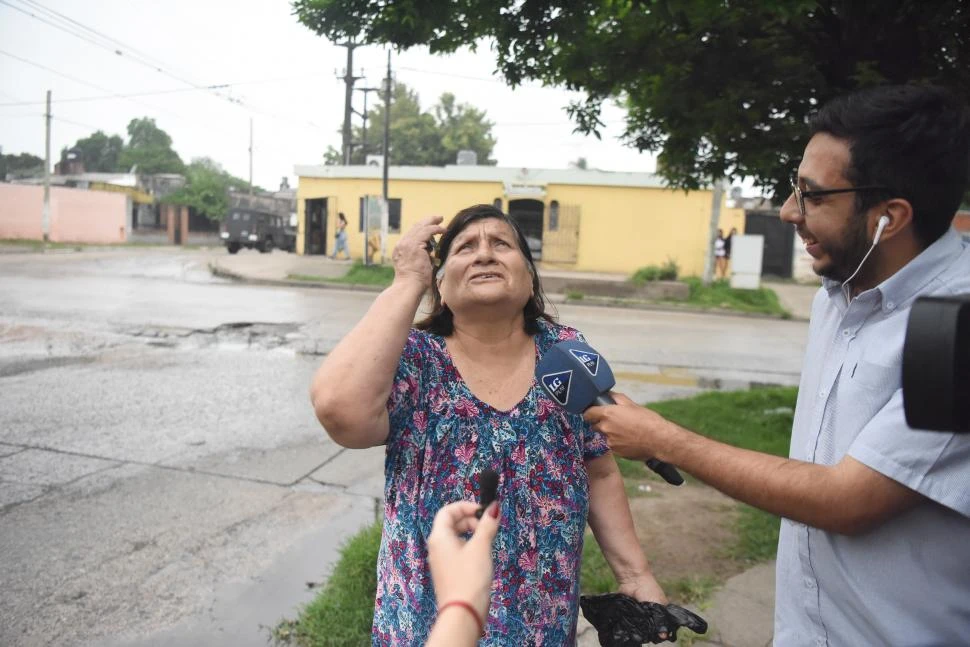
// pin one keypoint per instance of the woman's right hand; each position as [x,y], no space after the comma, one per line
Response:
[410,257]
[462,570]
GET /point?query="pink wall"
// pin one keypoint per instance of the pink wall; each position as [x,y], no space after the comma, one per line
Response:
[77,215]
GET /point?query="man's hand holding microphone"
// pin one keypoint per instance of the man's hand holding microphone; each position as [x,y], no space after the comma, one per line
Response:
[633,431]
[579,379]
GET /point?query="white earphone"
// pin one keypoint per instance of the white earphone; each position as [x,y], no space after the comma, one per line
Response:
[883,222]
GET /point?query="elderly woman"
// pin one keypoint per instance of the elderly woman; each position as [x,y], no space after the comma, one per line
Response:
[456,395]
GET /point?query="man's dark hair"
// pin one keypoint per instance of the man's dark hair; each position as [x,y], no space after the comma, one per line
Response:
[912,139]
[441,320]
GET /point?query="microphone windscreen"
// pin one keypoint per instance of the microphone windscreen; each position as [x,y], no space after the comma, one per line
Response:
[488,487]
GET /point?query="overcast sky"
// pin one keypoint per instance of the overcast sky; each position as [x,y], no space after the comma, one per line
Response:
[284,75]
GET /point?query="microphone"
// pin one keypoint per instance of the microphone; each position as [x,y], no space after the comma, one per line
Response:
[577,377]
[488,486]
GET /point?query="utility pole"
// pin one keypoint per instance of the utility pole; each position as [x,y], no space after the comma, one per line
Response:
[349,80]
[45,222]
[387,151]
[250,156]
[387,122]
[363,116]
[716,196]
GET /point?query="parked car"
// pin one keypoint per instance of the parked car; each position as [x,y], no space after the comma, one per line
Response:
[257,230]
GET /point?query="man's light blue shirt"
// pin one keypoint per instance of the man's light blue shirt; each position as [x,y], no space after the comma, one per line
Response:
[908,581]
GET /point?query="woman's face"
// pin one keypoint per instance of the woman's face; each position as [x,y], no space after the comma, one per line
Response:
[485,266]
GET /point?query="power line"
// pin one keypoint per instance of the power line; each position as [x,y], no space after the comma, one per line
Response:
[58,20]
[149,93]
[53,71]
[66,24]
[74,123]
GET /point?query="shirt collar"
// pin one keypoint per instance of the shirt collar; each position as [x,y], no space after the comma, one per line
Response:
[905,283]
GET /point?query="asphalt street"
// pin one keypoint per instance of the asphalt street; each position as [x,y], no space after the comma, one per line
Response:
[162,477]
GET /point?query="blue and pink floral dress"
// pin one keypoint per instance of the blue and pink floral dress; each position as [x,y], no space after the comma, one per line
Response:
[441,437]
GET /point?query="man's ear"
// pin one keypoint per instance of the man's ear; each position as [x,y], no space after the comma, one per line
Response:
[900,214]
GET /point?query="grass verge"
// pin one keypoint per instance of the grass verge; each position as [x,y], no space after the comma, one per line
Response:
[720,294]
[342,613]
[759,419]
[358,274]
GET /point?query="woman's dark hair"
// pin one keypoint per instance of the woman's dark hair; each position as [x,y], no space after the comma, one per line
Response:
[912,139]
[441,319]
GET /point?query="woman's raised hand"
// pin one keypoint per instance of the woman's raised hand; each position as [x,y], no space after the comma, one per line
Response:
[411,257]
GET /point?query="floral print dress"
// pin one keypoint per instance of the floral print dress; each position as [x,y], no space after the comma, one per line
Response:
[441,437]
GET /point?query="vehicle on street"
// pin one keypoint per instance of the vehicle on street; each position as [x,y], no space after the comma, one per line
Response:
[259,230]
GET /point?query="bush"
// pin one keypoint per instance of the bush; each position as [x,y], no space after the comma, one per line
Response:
[666,272]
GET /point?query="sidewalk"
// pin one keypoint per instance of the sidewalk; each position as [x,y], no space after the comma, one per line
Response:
[277,267]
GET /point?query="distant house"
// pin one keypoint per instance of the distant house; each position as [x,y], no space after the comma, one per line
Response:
[578,219]
[71,164]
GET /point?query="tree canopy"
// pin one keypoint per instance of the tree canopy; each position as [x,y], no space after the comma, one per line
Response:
[22,164]
[207,187]
[718,88]
[149,148]
[100,153]
[422,138]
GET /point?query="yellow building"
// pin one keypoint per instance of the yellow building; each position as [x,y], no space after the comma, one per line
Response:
[575,219]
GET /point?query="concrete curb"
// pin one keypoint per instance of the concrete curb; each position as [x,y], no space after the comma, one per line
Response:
[289,283]
[613,302]
[557,299]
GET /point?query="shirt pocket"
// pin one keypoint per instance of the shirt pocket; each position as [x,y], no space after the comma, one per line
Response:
[876,377]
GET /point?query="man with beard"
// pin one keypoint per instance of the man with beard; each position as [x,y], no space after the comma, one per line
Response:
[873,547]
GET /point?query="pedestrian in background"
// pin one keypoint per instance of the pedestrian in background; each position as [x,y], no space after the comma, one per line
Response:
[341,237]
[720,255]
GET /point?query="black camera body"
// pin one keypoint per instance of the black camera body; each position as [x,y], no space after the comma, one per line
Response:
[936,364]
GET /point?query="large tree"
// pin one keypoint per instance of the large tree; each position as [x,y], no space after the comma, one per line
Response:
[422,138]
[719,88]
[207,187]
[99,152]
[20,165]
[149,148]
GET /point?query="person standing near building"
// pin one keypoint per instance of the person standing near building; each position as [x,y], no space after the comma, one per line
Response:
[727,251]
[341,237]
[720,258]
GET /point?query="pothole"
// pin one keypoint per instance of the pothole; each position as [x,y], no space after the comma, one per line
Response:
[21,367]
[236,335]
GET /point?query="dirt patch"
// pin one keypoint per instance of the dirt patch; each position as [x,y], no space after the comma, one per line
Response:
[685,531]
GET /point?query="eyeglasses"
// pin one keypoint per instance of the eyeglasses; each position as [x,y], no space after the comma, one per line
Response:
[801,195]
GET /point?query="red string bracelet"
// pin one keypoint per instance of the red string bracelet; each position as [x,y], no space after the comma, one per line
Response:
[469,608]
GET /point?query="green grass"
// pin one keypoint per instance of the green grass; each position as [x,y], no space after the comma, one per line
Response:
[666,272]
[358,274]
[690,590]
[342,613]
[720,294]
[574,295]
[37,244]
[759,419]
[757,536]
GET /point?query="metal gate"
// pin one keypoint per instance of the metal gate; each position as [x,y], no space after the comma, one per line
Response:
[560,238]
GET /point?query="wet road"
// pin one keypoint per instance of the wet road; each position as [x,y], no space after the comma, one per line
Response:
[162,478]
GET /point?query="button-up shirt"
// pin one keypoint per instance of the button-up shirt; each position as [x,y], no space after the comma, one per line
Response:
[907,582]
